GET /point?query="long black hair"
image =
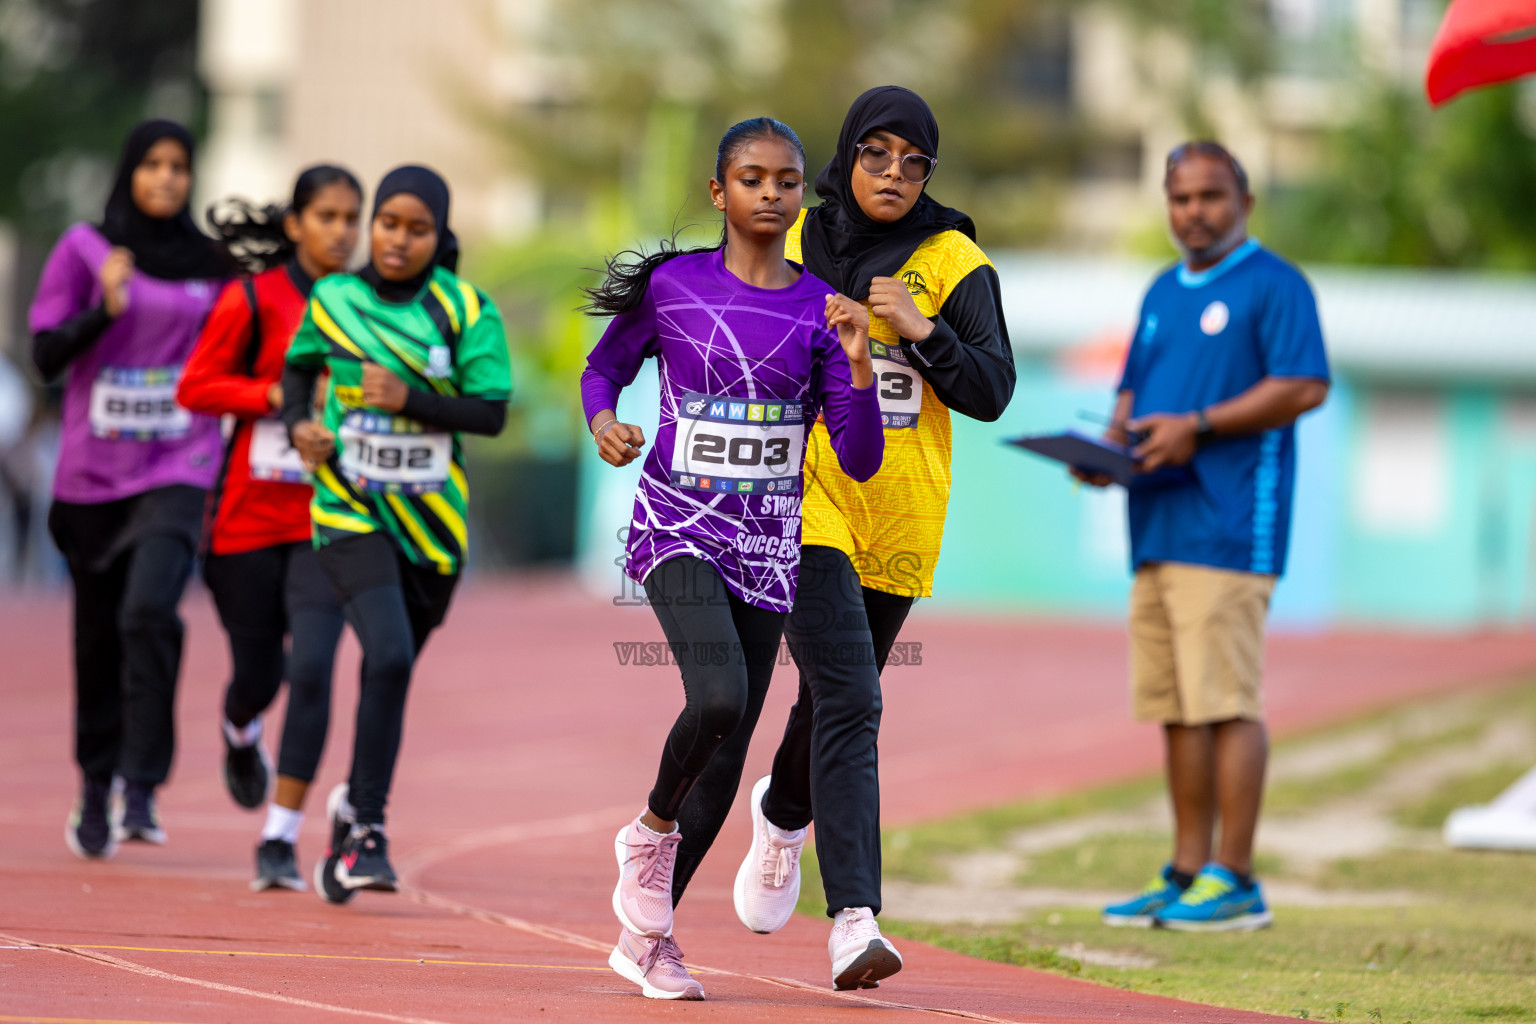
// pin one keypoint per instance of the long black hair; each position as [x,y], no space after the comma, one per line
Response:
[628,273]
[254,236]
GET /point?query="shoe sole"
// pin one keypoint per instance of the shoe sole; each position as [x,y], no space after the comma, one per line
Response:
[626,968]
[325,868]
[747,870]
[1245,923]
[877,962]
[1127,920]
[154,836]
[620,852]
[370,883]
[294,884]
[327,892]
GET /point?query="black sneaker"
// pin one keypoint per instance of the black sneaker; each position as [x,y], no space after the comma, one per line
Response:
[326,884]
[276,866]
[89,831]
[247,773]
[365,860]
[140,822]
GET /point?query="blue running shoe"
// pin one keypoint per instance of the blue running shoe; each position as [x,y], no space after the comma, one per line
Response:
[1216,902]
[1137,911]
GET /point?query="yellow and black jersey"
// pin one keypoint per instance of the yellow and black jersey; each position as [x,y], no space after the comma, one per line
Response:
[891,525]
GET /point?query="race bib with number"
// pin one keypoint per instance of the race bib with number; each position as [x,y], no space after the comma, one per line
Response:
[392,453]
[737,445]
[901,389]
[272,457]
[138,405]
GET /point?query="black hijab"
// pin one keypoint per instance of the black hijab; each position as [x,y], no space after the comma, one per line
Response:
[428,186]
[171,248]
[840,244]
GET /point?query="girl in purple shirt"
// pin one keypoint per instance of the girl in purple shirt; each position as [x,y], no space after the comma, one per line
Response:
[119,306]
[752,349]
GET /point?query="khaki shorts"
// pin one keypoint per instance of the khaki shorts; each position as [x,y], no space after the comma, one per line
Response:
[1197,643]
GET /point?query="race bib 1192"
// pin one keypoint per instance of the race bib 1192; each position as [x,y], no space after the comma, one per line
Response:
[138,405]
[738,445]
[273,458]
[901,389]
[392,453]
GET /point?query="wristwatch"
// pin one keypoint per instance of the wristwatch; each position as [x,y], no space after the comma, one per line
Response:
[1204,432]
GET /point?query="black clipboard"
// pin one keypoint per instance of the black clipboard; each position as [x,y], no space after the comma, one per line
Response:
[1078,450]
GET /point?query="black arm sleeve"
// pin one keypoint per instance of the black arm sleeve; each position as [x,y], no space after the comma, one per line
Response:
[968,360]
[298,394]
[53,350]
[466,413]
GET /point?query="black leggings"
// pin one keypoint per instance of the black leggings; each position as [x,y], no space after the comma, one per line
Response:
[827,767]
[264,596]
[393,605]
[127,657]
[725,649]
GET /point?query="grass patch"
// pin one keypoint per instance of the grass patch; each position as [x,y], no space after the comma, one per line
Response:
[1418,964]
[1465,951]
[1473,788]
[1297,796]
[1473,878]
[916,853]
[1115,861]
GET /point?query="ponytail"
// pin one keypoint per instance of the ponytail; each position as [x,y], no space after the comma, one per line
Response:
[254,236]
[627,274]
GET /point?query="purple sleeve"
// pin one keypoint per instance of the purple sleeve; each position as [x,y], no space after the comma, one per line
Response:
[612,366]
[65,288]
[852,415]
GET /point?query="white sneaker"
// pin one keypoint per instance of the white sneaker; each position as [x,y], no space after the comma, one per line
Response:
[861,956]
[768,882]
[1491,828]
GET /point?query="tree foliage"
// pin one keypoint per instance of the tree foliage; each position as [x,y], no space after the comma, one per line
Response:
[1404,184]
[75,75]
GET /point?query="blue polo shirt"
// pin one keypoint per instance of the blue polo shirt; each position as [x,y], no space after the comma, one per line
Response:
[1203,338]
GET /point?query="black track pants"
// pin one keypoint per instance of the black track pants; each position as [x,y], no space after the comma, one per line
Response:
[827,767]
[127,657]
[392,605]
[726,649]
[263,597]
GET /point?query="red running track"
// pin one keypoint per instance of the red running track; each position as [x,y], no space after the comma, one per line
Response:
[527,745]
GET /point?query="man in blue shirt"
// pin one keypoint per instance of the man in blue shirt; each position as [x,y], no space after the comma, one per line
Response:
[1227,354]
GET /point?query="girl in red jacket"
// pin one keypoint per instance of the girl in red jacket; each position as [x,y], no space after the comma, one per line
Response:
[259,565]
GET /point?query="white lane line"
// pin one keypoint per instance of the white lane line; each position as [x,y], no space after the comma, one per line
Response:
[151,972]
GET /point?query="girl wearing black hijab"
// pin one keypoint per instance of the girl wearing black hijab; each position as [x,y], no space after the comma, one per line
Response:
[416,356]
[939,344]
[119,308]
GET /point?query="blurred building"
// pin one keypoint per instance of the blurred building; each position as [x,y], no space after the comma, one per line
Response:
[1138,86]
[369,84]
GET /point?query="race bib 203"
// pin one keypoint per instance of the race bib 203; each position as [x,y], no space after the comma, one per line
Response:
[738,445]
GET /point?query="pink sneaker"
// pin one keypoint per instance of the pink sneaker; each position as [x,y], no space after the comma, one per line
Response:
[861,956]
[643,898]
[656,965]
[768,882]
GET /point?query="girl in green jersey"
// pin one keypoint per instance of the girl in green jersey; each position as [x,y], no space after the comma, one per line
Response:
[415,357]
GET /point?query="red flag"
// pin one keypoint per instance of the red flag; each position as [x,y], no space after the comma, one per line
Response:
[1481,42]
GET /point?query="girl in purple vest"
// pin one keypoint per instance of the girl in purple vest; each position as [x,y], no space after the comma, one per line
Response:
[117,312]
